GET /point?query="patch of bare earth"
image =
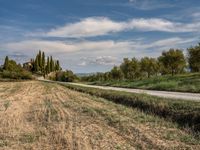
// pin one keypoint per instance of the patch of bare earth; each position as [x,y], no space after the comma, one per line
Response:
[36,115]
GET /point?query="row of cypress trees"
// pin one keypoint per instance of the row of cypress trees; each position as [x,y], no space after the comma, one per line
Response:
[43,65]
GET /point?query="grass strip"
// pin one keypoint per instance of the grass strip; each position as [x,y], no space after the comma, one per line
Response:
[185,113]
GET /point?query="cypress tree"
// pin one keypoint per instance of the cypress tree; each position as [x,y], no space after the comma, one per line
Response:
[51,64]
[36,64]
[43,61]
[5,66]
[40,59]
[57,67]
[48,66]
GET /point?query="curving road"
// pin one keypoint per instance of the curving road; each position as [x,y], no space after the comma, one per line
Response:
[165,94]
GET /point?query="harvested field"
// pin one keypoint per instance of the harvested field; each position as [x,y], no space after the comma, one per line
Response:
[36,115]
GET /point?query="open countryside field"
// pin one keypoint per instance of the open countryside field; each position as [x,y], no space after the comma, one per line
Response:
[189,82]
[38,115]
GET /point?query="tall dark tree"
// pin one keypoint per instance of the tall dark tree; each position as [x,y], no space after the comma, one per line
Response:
[48,66]
[194,58]
[51,64]
[43,61]
[6,63]
[36,64]
[40,59]
[57,65]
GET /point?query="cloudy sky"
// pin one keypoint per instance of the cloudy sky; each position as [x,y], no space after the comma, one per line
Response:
[94,35]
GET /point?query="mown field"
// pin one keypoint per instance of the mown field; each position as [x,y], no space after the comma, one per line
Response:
[182,83]
[38,115]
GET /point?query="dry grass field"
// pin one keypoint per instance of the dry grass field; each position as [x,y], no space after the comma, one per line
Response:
[46,116]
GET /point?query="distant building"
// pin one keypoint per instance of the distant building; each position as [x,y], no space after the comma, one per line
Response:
[28,65]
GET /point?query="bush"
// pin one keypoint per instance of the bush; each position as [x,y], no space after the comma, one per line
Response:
[65,76]
[16,75]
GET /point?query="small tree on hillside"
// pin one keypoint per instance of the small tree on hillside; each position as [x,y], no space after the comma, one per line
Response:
[173,60]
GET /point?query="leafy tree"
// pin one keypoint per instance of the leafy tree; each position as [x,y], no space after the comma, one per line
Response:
[5,66]
[149,66]
[116,73]
[194,58]
[173,61]
[65,76]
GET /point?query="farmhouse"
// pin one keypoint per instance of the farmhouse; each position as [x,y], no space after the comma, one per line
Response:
[28,65]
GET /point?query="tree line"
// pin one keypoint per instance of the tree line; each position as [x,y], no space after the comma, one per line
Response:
[45,66]
[171,62]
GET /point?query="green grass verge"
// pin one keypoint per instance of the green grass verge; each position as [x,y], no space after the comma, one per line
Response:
[185,113]
[182,83]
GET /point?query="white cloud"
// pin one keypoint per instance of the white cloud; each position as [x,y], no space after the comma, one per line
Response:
[87,27]
[97,26]
[60,47]
[93,46]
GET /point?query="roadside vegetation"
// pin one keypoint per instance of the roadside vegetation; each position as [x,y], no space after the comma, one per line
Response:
[38,115]
[171,71]
[185,113]
[188,82]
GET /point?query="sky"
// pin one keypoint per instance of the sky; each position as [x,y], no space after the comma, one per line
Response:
[94,35]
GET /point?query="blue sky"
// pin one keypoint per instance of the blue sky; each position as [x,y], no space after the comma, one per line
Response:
[95,35]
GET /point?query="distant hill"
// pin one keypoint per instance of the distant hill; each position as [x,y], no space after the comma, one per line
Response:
[85,74]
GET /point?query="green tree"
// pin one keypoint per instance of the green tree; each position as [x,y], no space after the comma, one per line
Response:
[57,65]
[51,64]
[149,66]
[173,61]
[36,64]
[116,73]
[194,58]
[43,61]
[130,68]
[40,60]
[48,66]
[65,76]
[5,66]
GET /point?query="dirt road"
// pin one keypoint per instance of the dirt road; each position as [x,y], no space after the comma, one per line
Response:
[45,116]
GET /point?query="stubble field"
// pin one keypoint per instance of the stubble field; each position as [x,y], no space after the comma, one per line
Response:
[36,115]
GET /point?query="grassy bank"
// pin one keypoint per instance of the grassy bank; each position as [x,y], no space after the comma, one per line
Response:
[181,83]
[185,113]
